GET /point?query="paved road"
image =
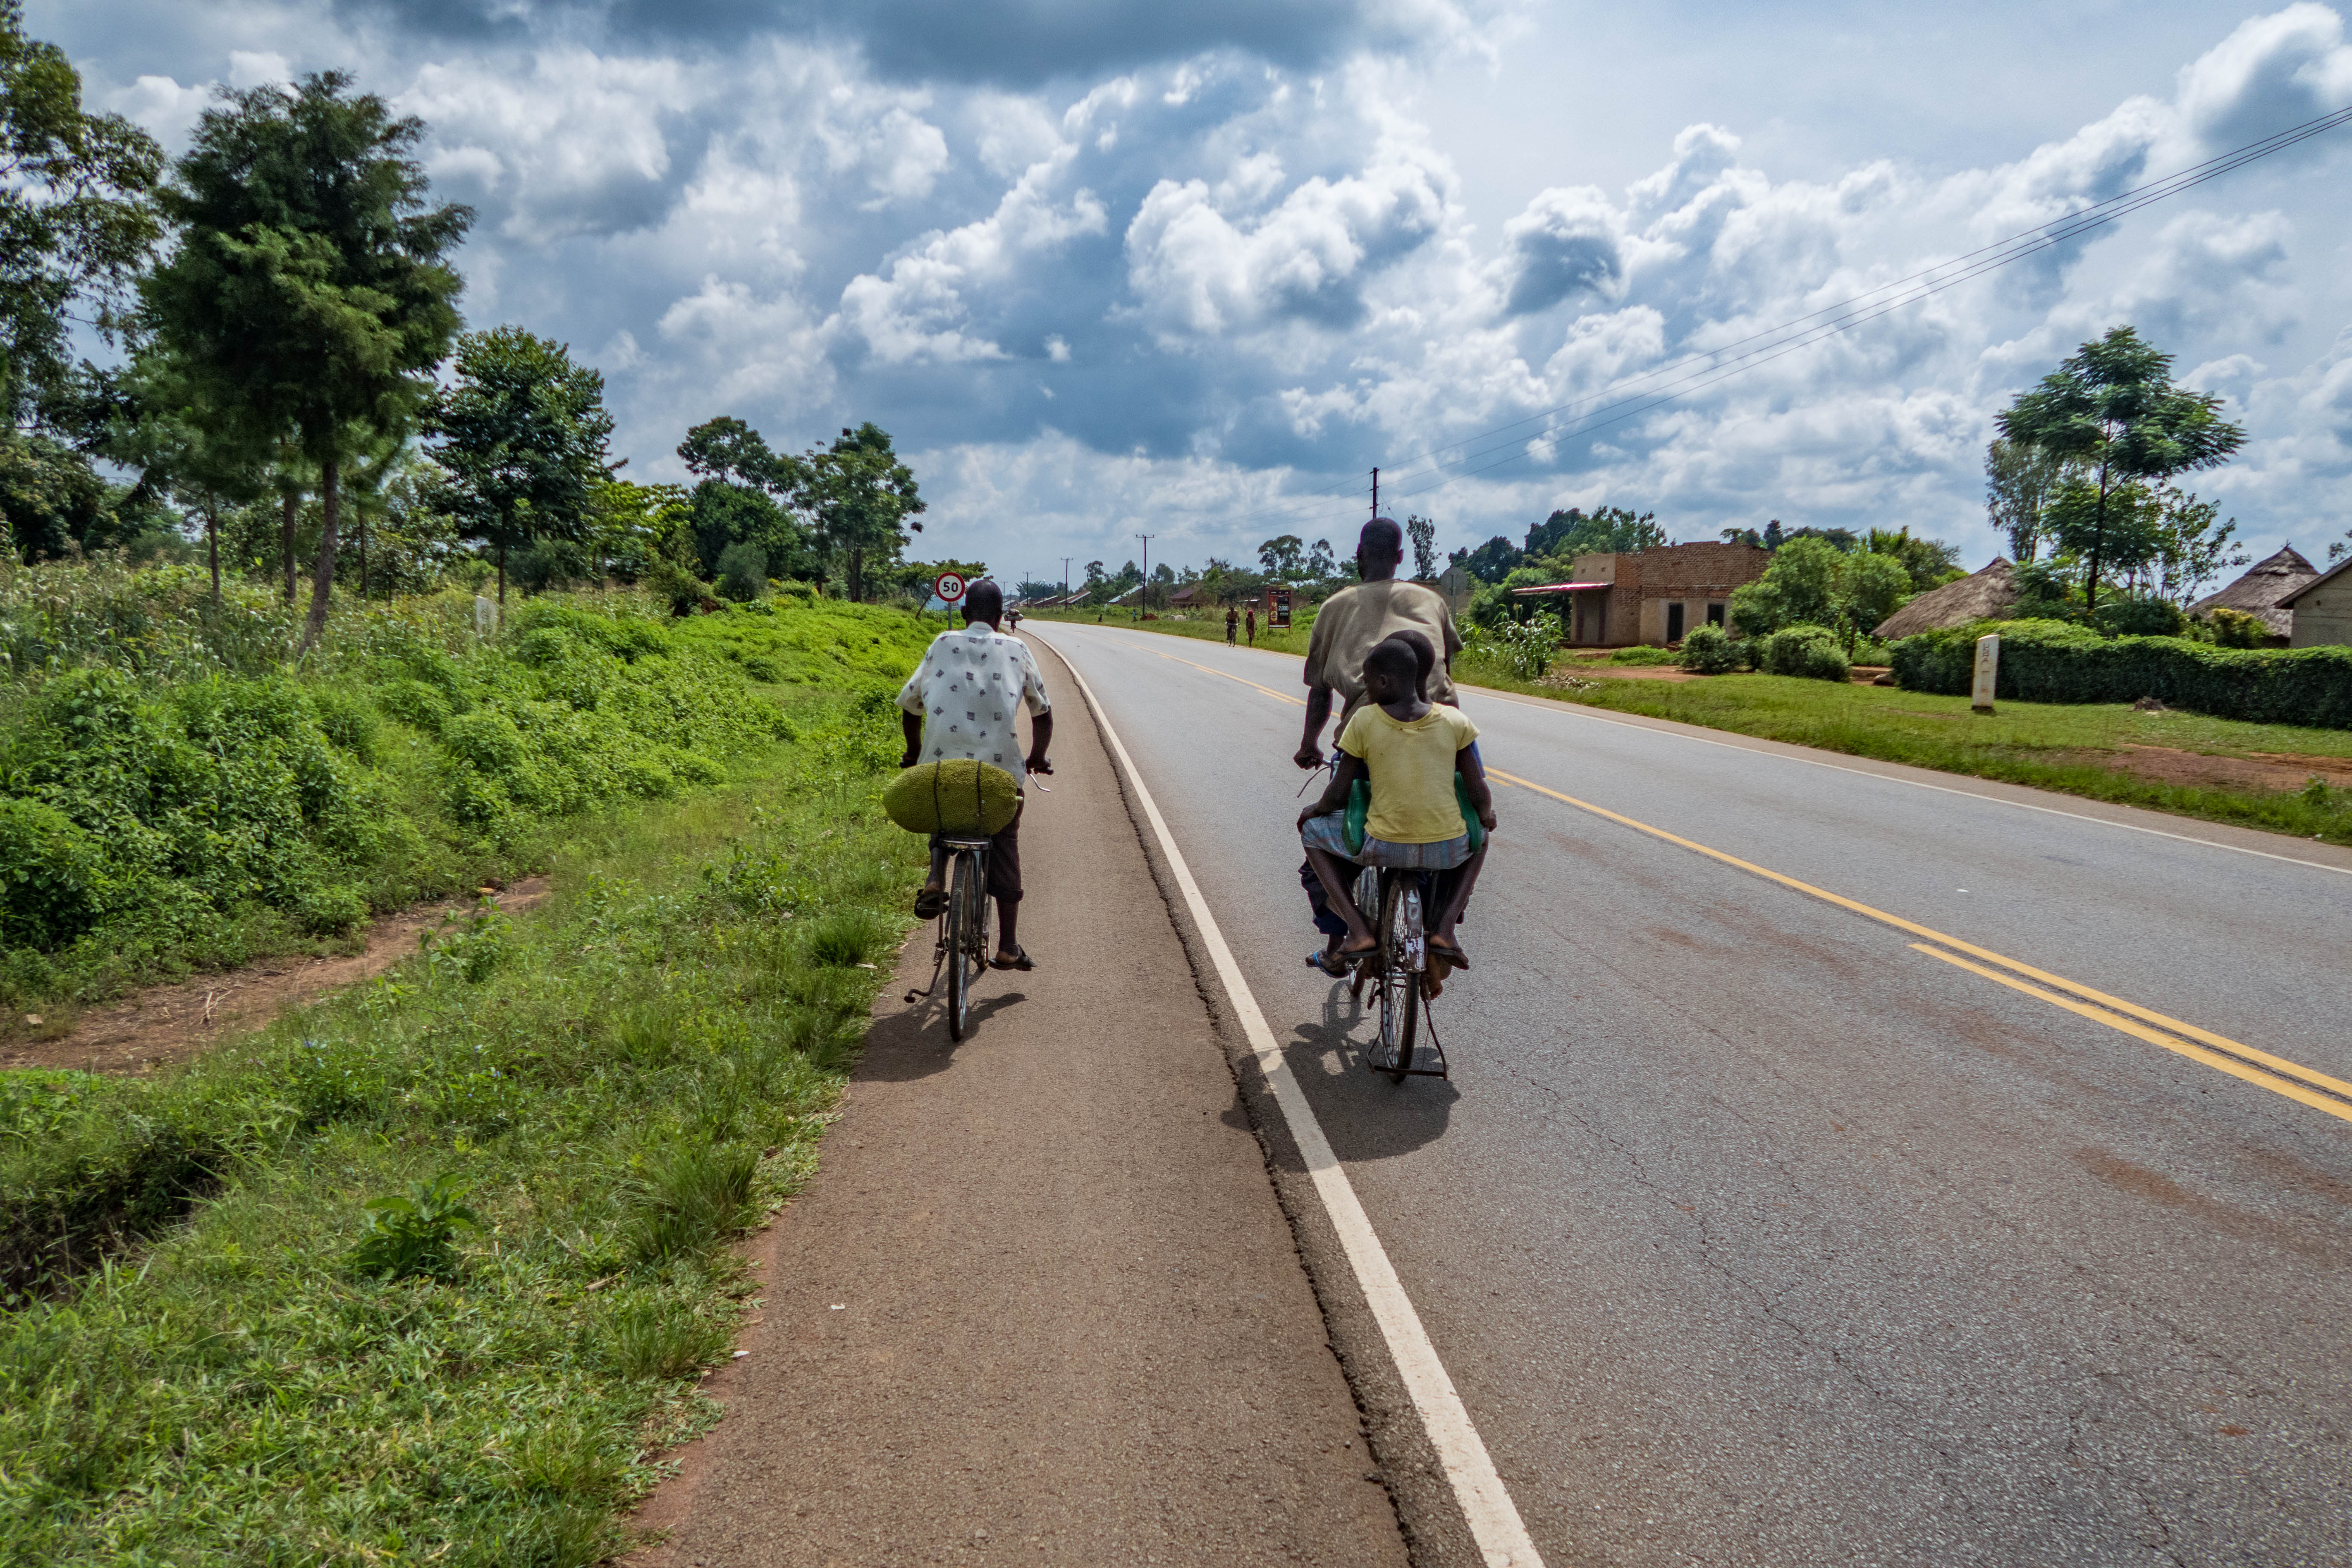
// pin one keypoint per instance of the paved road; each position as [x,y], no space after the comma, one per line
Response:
[1749,1231]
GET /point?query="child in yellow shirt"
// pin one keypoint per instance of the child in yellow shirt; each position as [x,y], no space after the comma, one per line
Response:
[1411,750]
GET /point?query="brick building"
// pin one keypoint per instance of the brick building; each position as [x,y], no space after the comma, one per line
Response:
[1650,595]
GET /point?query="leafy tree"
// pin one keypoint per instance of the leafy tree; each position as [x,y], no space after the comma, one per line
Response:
[1322,565]
[1747,536]
[1031,588]
[2114,410]
[75,215]
[2124,526]
[742,572]
[2193,546]
[629,525]
[1423,534]
[1872,587]
[1283,557]
[184,449]
[52,500]
[865,501]
[1097,585]
[309,294]
[1163,583]
[2018,483]
[1927,562]
[744,495]
[727,448]
[1772,535]
[1492,562]
[1812,582]
[1610,530]
[522,431]
[724,513]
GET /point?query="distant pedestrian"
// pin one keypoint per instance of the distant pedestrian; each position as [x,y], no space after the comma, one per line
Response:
[1253,625]
[1232,620]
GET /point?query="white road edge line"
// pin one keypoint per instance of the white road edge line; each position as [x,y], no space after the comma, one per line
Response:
[1494,1520]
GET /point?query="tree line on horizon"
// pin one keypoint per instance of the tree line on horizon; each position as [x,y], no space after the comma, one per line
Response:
[293,386]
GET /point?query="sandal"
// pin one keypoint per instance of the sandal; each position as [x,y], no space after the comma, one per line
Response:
[1020,960]
[1448,951]
[930,903]
[1320,961]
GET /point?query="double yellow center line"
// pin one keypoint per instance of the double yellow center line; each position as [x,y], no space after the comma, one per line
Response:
[2218,1052]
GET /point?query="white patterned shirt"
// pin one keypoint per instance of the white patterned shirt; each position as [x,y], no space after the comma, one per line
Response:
[969,689]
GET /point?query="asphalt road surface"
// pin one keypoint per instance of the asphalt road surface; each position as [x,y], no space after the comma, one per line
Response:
[1929,1204]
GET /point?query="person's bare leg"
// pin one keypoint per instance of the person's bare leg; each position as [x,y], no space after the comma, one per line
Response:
[1008,912]
[1333,873]
[938,880]
[1463,880]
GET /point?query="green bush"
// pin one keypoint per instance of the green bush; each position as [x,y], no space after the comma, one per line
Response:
[742,572]
[2236,628]
[50,876]
[1522,648]
[1707,650]
[2139,617]
[2057,661]
[1813,653]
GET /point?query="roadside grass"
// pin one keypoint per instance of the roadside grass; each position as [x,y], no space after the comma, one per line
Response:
[425,1271]
[2052,746]
[1208,629]
[175,797]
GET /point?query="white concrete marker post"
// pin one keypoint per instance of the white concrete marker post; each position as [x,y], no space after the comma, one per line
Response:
[1987,672]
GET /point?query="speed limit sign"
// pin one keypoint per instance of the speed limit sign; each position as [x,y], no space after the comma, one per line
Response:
[948,587]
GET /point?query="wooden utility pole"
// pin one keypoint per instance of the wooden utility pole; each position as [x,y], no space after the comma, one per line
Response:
[1376,492]
[1143,592]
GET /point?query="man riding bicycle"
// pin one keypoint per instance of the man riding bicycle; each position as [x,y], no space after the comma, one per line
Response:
[960,703]
[1351,623]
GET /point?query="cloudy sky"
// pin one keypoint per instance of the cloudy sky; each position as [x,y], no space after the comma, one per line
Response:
[1112,266]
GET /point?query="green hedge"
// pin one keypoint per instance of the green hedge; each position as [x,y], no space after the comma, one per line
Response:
[2057,661]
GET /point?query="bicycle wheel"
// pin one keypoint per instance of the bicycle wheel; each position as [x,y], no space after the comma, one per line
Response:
[963,901]
[1368,903]
[1402,960]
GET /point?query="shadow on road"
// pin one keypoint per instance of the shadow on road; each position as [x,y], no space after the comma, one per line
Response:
[1365,1115]
[914,1044]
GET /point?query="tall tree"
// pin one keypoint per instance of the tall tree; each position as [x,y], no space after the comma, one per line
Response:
[1283,557]
[2113,409]
[2019,482]
[745,490]
[727,448]
[522,431]
[184,449]
[1423,531]
[309,293]
[863,499]
[76,220]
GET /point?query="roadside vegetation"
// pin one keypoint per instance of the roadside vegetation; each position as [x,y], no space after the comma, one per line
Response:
[2112,752]
[175,797]
[426,1272]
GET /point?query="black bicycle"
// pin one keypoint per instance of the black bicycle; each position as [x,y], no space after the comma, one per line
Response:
[1396,901]
[963,929]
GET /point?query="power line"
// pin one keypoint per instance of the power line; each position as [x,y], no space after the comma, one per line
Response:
[1718,364]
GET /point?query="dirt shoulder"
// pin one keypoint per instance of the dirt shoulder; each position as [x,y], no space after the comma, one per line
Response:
[1040,1304]
[168,1024]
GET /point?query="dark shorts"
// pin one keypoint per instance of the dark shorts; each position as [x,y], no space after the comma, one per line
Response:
[1003,859]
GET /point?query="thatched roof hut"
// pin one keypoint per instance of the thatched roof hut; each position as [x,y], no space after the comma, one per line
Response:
[2258,593]
[1982,595]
